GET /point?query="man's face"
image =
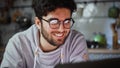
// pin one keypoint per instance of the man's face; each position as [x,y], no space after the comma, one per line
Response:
[55,37]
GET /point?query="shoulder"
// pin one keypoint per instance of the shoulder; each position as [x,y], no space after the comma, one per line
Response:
[75,39]
[23,35]
[20,42]
[75,34]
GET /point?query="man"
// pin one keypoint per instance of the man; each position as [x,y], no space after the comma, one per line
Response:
[49,41]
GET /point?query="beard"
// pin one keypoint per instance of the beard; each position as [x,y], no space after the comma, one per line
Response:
[50,39]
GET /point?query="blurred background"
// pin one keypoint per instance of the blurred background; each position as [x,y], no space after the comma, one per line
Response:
[98,20]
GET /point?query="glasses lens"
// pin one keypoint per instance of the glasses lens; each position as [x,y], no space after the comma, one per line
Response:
[54,24]
[68,23]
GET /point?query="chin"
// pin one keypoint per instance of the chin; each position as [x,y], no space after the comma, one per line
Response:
[60,43]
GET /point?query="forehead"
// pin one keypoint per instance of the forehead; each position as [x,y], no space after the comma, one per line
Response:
[60,13]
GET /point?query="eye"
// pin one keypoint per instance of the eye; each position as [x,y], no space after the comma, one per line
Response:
[53,21]
[67,21]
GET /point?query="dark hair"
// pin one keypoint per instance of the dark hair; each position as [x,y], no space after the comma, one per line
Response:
[43,7]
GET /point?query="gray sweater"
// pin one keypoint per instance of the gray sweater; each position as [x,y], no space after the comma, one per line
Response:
[22,51]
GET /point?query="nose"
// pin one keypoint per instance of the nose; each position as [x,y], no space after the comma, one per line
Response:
[61,27]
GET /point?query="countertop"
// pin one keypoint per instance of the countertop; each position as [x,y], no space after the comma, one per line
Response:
[116,51]
[98,50]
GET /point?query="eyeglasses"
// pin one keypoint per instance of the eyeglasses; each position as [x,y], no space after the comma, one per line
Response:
[54,23]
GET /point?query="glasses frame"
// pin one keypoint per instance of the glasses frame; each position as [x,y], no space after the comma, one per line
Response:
[59,22]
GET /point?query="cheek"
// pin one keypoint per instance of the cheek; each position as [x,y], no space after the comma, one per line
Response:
[68,31]
[47,28]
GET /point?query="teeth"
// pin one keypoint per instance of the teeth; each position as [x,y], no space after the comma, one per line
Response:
[59,34]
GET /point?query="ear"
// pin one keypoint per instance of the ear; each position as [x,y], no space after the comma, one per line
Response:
[37,22]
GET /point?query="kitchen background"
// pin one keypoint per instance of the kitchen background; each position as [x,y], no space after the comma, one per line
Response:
[92,17]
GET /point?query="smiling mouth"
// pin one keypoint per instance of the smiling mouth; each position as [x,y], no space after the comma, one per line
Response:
[59,34]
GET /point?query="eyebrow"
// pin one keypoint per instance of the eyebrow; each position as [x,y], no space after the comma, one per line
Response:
[58,19]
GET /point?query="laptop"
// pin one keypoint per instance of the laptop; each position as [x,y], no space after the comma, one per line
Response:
[105,63]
